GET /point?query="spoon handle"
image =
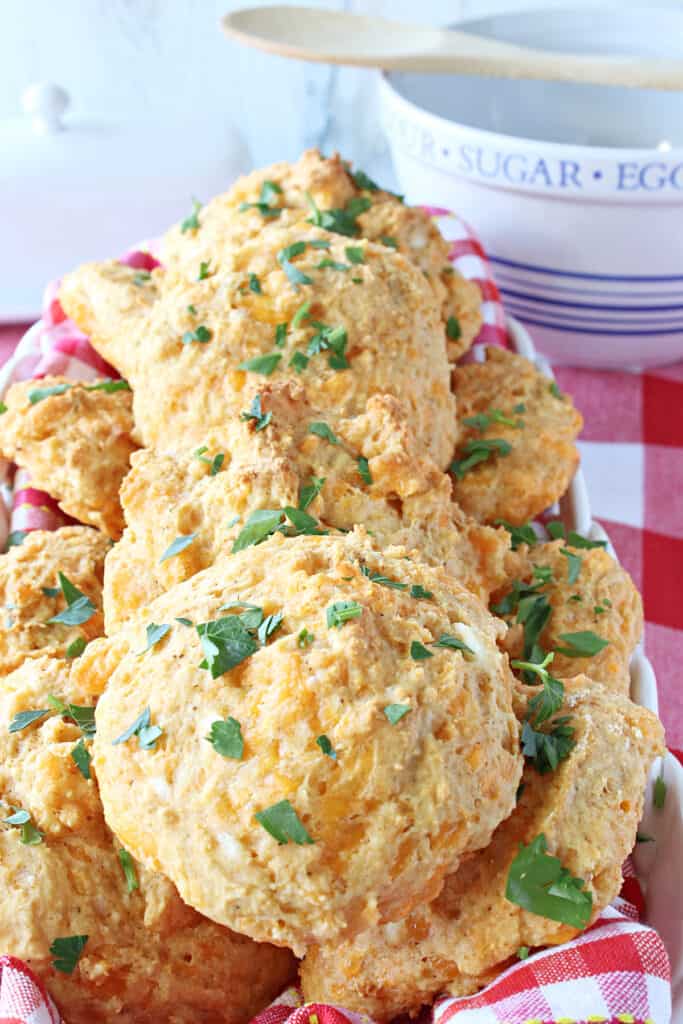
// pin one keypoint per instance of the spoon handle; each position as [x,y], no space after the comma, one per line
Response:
[337,37]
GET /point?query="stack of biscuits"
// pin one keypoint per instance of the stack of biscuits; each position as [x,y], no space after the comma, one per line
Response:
[302,696]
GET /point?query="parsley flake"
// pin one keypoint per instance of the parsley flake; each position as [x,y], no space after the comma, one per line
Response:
[384,581]
[302,313]
[340,612]
[3,408]
[364,470]
[362,181]
[191,223]
[453,330]
[128,865]
[326,747]
[38,394]
[659,792]
[67,952]
[285,257]
[178,545]
[522,952]
[258,526]
[483,420]
[418,651]
[323,430]
[256,415]
[226,643]
[81,758]
[555,391]
[204,270]
[395,712]
[155,633]
[328,264]
[573,565]
[283,824]
[264,364]
[299,362]
[79,608]
[538,883]
[109,386]
[255,285]
[355,254]
[389,241]
[280,335]
[478,451]
[23,719]
[270,190]
[643,837]
[147,734]
[29,834]
[83,716]
[16,538]
[583,644]
[341,221]
[304,639]
[452,643]
[141,277]
[226,738]
[215,464]
[419,593]
[201,334]
[310,491]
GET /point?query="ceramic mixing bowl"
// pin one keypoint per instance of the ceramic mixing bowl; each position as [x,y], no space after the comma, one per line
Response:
[575,190]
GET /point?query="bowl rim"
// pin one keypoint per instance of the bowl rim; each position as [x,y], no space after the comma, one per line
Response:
[615,154]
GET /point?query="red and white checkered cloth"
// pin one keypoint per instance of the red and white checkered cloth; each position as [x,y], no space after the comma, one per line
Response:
[617,971]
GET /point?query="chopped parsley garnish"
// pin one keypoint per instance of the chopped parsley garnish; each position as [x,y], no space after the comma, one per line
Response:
[215,464]
[395,712]
[79,608]
[362,181]
[659,792]
[255,285]
[643,837]
[326,747]
[204,269]
[364,470]
[226,738]
[328,264]
[453,330]
[270,190]
[302,313]
[270,625]
[201,334]
[384,581]
[340,612]
[285,257]
[23,719]
[483,420]
[583,644]
[543,573]
[67,952]
[304,639]
[555,391]
[256,414]
[141,277]
[29,835]
[51,591]
[191,223]
[38,394]
[81,758]
[354,254]
[298,362]
[419,593]
[16,538]
[452,643]
[155,633]
[184,622]
[332,339]
[555,528]
[83,716]
[573,565]
[128,866]
[109,386]
[283,824]
[310,491]
[342,222]
[178,545]
[418,651]
[478,451]
[545,749]
[261,364]
[280,335]
[3,408]
[147,734]
[389,241]
[323,430]
[259,525]
[575,540]
[226,642]
[538,883]
[522,952]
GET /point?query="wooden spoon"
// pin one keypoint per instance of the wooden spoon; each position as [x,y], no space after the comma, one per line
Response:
[337,37]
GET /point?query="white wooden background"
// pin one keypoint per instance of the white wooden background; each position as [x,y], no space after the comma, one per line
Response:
[157,58]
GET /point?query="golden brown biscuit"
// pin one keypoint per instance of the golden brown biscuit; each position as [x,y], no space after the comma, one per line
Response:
[30,593]
[316,183]
[588,810]
[75,442]
[373,476]
[602,599]
[513,407]
[180,343]
[148,957]
[384,760]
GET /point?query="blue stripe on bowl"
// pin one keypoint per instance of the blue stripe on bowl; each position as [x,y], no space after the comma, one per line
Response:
[505,280]
[554,272]
[520,309]
[576,329]
[513,293]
